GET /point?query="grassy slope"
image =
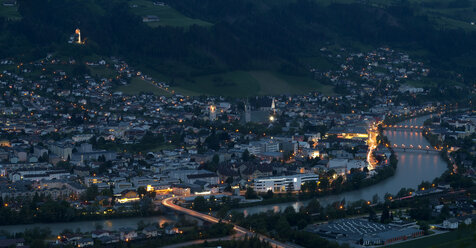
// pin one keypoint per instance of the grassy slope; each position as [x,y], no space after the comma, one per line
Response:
[167,15]
[437,11]
[10,13]
[246,83]
[138,85]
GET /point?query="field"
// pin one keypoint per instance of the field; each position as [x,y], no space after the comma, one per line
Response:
[444,14]
[102,71]
[139,85]
[167,15]
[245,83]
[10,13]
[454,239]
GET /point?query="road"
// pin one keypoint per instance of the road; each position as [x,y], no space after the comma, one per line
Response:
[169,202]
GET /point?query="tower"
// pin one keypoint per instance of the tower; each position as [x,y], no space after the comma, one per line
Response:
[213,112]
[78,33]
[247,113]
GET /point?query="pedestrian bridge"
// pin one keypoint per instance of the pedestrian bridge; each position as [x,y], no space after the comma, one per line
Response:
[403,127]
[418,148]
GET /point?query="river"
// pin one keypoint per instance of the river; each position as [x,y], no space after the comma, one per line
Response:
[413,168]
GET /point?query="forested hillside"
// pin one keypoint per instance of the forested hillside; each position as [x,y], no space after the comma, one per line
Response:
[241,35]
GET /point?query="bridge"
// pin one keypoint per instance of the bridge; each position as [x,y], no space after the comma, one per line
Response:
[403,127]
[240,231]
[412,148]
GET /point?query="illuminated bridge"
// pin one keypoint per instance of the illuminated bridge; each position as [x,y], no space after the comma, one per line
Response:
[403,127]
[412,148]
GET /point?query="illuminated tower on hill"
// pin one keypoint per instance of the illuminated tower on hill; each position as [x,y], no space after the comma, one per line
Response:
[213,112]
[78,32]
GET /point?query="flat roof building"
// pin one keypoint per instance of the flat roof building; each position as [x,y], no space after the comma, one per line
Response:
[283,183]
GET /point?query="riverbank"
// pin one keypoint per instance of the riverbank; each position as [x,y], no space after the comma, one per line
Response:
[412,169]
[383,172]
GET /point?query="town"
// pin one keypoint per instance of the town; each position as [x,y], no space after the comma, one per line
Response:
[76,145]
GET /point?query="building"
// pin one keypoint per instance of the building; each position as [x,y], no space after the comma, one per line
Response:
[360,230]
[268,145]
[63,151]
[127,234]
[9,3]
[283,183]
[451,224]
[150,18]
[388,237]
[4,243]
[150,231]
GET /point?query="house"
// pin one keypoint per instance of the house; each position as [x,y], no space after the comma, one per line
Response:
[127,234]
[9,3]
[99,234]
[171,230]
[451,223]
[5,243]
[109,239]
[150,18]
[150,231]
[85,242]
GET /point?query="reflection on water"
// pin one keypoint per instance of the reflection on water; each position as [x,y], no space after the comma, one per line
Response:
[413,168]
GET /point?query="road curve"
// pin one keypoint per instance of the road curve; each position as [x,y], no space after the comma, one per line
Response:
[169,202]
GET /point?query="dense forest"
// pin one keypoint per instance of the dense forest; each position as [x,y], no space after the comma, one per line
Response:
[246,34]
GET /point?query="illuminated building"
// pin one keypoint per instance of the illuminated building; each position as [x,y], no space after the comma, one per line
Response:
[128,196]
[78,33]
[213,112]
[358,133]
[283,183]
[5,143]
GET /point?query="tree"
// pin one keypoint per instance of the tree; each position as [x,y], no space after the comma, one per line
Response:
[250,194]
[269,194]
[424,226]
[282,227]
[246,155]
[324,183]
[98,227]
[222,212]
[200,204]
[385,217]
[375,199]
[310,187]
[91,193]
[424,185]
[372,214]
[337,184]
[314,206]
[141,191]
[215,159]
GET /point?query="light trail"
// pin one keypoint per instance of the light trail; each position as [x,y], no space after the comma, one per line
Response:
[169,202]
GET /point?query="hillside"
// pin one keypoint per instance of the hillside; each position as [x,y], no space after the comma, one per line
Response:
[212,47]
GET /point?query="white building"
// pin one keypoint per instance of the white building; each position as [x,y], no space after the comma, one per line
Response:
[451,223]
[283,183]
[267,145]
